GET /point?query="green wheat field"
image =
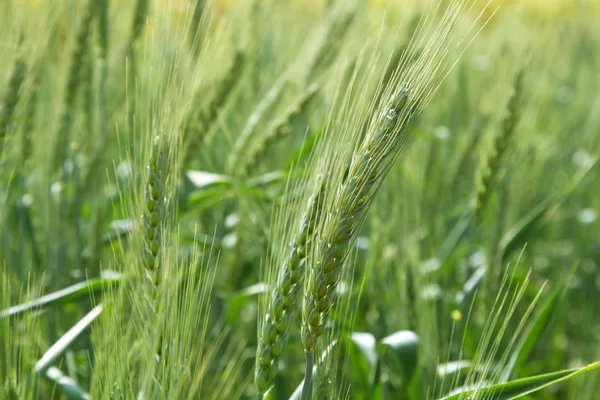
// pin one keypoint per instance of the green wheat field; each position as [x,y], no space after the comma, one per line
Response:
[299,199]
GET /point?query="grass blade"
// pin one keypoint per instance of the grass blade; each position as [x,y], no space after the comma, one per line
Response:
[63,296]
[58,348]
[540,322]
[70,389]
[520,387]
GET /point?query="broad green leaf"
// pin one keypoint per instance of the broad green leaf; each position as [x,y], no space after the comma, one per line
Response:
[203,180]
[66,295]
[203,199]
[69,387]
[268,178]
[452,368]
[366,343]
[65,341]
[204,189]
[518,235]
[121,228]
[404,346]
[365,361]
[459,230]
[237,302]
[520,387]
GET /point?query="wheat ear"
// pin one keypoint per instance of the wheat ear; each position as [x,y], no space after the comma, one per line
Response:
[280,127]
[152,219]
[492,164]
[203,114]
[337,26]
[11,99]
[339,232]
[249,130]
[284,297]
[74,79]
[139,20]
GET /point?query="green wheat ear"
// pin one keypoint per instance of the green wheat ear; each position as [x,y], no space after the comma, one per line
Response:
[152,219]
[339,231]
[280,128]
[204,112]
[139,20]
[101,9]
[492,163]
[78,56]
[11,99]
[284,297]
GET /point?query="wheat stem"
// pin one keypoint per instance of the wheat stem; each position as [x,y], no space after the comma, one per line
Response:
[308,374]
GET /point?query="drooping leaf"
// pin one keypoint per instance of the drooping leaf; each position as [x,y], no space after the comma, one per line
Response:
[520,387]
[65,341]
[518,235]
[237,302]
[404,346]
[121,228]
[366,362]
[522,231]
[69,387]
[66,295]
[452,368]
[531,335]
[203,180]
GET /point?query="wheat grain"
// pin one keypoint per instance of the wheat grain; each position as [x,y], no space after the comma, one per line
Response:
[370,163]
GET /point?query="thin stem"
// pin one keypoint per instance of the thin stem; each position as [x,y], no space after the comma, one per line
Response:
[310,362]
